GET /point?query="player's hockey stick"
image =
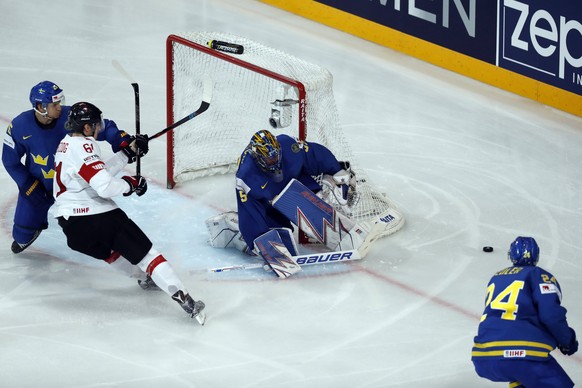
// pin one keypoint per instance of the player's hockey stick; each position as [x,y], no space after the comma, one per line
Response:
[235,268]
[206,97]
[302,260]
[135,87]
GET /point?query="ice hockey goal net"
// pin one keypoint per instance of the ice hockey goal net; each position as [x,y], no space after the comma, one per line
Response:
[262,88]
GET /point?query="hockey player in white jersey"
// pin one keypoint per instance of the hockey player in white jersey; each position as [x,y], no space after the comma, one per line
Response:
[92,221]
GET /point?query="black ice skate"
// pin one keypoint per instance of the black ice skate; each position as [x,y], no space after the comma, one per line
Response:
[17,247]
[192,307]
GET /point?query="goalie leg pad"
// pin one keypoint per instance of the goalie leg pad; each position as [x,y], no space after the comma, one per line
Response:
[312,215]
[224,232]
[277,247]
[286,236]
[296,201]
[319,220]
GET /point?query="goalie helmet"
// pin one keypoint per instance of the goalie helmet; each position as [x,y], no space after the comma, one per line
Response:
[46,92]
[266,152]
[83,113]
[524,251]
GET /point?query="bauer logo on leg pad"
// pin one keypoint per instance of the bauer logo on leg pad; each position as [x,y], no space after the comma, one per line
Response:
[330,257]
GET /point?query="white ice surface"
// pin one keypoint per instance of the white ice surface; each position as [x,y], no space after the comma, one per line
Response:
[469,165]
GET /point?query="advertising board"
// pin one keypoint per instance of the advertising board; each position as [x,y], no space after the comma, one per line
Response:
[459,25]
[542,40]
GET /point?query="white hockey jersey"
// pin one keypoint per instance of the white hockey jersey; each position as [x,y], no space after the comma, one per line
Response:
[84,183]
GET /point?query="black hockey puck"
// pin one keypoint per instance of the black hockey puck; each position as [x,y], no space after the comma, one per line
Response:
[487,249]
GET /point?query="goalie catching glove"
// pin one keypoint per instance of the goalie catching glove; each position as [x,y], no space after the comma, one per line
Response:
[135,146]
[339,190]
[137,184]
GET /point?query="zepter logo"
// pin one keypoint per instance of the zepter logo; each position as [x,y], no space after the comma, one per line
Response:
[536,36]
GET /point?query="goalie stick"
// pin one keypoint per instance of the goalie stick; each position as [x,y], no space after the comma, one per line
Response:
[206,97]
[302,260]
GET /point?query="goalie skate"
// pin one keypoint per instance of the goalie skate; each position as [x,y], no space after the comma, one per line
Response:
[364,234]
[361,237]
[390,220]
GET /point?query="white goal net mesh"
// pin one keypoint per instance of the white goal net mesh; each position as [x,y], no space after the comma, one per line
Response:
[246,98]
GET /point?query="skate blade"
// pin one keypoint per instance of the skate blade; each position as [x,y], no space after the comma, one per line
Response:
[201,318]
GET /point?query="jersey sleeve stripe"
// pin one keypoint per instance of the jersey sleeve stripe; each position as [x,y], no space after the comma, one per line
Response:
[88,171]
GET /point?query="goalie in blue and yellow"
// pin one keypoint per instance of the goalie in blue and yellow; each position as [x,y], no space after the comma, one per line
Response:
[276,189]
[522,323]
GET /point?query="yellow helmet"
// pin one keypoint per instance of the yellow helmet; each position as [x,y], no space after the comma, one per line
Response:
[266,151]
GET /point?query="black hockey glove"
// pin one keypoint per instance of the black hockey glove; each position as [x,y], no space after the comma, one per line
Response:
[141,143]
[34,190]
[137,184]
[136,146]
[570,348]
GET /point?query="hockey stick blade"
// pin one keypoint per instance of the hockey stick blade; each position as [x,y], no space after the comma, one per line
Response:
[234,268]
[122,71]
[206,98]
[302,260]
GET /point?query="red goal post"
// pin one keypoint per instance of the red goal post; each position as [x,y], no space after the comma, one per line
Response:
[262,88]
[171,43]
